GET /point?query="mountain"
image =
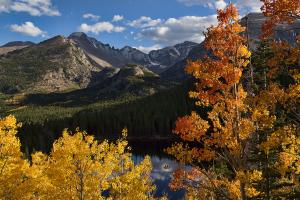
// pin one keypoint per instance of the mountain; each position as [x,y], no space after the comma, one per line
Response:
[253,23]
[176,72]
[160,60]
[12,46]
[56,64]
[64,64]
[134,55]
[18,43]
[130,80]
[107,56]
[103,54]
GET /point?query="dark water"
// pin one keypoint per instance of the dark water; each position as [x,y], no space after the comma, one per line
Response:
[162,169]
[163,165]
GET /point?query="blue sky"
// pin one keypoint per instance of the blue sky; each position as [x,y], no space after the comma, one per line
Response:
[145,24]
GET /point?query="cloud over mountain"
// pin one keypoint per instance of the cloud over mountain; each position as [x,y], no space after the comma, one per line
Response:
[28,28]
[148,49]
[100,27]
[176,30]
[91,16]
[144,22]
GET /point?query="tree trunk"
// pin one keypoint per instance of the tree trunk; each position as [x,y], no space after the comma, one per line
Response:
[243,192]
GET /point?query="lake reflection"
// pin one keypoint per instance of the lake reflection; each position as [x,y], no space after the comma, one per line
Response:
[163,166]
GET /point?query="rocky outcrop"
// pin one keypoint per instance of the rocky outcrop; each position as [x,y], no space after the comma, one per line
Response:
[254,22]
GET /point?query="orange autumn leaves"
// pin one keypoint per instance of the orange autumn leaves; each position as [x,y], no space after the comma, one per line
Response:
[236,124]
[279,11]
[218,88]
[215,80]
[215,77]
[191,128]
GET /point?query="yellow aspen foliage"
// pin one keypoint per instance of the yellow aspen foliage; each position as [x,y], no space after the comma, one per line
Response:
[13,168]
[78,167]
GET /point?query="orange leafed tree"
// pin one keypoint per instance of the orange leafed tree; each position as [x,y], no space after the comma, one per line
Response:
[224,135]
[221,142]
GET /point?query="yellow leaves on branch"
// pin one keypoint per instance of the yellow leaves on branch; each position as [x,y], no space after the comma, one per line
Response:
[285,139]
[243,54]
[78,167]
[13,180]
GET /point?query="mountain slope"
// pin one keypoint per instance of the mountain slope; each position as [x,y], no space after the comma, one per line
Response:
[162,59]
[176,72]
[130,80]
[52,65]
[65,64]
[101,53]
[12,46]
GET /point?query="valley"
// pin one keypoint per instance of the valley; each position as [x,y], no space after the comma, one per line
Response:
[200,101]
[65,80]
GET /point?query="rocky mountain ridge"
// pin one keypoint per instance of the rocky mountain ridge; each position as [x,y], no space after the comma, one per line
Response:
[107,56]
[68,63]
[12,46]
[76,62]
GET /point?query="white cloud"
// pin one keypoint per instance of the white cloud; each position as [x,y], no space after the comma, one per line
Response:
[91,16]
[148,49]
[5,5]
[144,22]
[243,5]
[220,4]
[28,28]
[117,18]
[100,27]
[33,7]
[208,3]
[216,4]
[246,6]
[119,29]
[176,30]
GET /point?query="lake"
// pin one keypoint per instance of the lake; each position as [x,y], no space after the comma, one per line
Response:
[163,165]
